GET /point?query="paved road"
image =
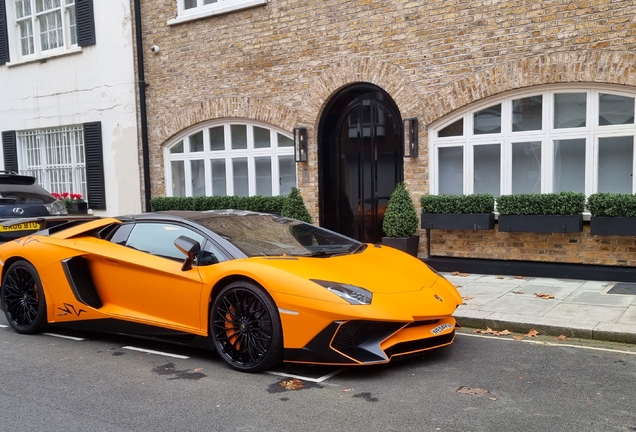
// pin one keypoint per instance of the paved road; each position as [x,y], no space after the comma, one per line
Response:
[95,384]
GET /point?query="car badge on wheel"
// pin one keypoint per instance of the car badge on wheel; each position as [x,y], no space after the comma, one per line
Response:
[18,210]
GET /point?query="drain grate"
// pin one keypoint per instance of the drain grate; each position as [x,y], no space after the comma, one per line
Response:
[623,288]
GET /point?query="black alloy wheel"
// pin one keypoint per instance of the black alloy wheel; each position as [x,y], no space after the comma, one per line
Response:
[245,327]
[23,298]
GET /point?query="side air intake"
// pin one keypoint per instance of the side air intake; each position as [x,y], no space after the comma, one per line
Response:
[78,274]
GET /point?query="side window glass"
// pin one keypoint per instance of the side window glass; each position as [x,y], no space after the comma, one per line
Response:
[210,254]
[158,239]
[121,233]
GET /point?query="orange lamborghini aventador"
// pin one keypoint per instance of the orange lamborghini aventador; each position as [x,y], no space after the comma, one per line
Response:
[262,288]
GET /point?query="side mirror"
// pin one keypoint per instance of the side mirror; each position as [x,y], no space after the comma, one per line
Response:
[190,249]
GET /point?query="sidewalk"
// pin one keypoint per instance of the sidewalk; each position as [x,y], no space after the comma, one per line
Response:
[582,309]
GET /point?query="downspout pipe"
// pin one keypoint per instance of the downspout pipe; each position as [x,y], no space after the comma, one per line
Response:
[141,83]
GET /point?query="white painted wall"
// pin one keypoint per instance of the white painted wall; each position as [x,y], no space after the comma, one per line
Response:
[96,84]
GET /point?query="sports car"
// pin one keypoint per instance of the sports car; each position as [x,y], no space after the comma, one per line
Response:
[261,288]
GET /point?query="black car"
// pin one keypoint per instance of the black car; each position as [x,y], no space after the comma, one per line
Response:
[22,197]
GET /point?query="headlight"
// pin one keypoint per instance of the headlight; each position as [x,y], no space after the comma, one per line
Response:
[56,208]
[353,294]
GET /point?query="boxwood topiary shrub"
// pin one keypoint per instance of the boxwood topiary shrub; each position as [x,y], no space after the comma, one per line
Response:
[258,203]
[294,207]
[611,204]
[562,203]
[455,204]
[400,218]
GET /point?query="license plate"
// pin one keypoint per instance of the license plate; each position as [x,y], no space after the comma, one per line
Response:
[440,328]
[27,226]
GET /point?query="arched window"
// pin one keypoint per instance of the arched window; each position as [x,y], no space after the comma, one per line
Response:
[553,139]
[230,158]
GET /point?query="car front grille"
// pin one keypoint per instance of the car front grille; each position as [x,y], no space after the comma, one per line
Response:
[355,333]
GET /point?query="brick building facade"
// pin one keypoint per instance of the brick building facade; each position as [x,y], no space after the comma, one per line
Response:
[282,64]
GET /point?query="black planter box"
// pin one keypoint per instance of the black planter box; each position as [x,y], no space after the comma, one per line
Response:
[606,225]
[541,223]
[461,221]
[407,244]
[78,208]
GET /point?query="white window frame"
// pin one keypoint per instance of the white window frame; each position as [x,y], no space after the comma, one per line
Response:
[227,155]
[591,132]
[55,157]
[202,10]
[69,30]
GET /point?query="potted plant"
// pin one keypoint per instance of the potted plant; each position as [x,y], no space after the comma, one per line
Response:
[400,222]
[612,213]
[294,207]
[552,212]
[73,202]
[458,212]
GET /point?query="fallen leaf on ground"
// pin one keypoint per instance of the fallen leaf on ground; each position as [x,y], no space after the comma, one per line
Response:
[198,369]
[346,390]
[492,332]
[292,384]
[467,298]
[464,274]
[544,296]
[562,337]
[493,398]
[532,333]
[455,273]
[517,292]
[472,391]
[500,277]
[518,337]
[518,277]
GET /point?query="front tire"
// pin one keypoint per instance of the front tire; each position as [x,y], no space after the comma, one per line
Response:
[23,298]
[245,327]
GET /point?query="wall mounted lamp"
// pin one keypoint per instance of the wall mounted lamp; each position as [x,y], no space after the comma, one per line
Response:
[300,144]
[410,137]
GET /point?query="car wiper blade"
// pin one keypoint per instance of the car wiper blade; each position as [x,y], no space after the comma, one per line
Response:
[358,248]
[320,253]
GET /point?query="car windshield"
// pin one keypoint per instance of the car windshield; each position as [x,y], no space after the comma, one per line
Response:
[269,235]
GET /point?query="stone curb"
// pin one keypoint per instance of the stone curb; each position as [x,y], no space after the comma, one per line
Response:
[549,330]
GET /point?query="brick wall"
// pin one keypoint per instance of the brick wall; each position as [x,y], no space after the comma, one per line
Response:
[280,63]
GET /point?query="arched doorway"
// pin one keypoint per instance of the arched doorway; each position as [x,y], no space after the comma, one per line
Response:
[360,159]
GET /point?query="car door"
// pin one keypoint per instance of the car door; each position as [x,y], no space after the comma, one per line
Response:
[144,280]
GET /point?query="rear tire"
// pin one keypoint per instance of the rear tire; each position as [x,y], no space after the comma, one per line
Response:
[245,327]
[23,299]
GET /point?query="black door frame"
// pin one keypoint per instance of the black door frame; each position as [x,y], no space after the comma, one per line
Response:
[329,151]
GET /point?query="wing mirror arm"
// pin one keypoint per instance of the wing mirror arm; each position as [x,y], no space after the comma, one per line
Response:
[190,249]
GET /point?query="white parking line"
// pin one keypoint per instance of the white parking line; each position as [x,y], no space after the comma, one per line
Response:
[300,377]
[536,342]
[3,326]
[64,336]
[147,351]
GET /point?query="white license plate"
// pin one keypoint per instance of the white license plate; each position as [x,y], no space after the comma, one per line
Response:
[440,328]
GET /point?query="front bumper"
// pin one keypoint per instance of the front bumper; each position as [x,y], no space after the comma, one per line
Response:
[364,342]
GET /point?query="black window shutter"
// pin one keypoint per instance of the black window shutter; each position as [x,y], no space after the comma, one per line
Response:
[4,35]
[85,22]
[10,151]
[96,189]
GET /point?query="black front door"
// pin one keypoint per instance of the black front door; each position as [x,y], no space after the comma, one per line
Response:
[360,161]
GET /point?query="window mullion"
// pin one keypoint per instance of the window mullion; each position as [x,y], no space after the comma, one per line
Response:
[207,164]
[633,165]
[275,154]
[229,175]
[469,171]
